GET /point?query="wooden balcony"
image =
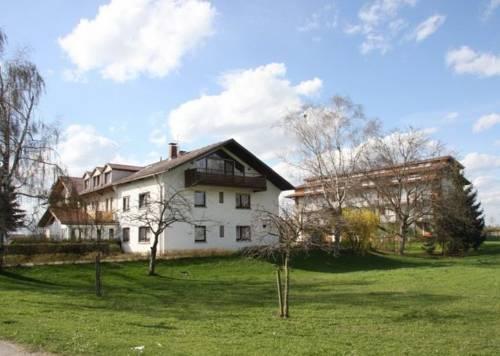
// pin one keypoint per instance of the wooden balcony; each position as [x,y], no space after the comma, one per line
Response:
[102,217]
[198,176]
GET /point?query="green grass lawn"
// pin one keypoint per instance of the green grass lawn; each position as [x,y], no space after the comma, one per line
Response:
[351,305]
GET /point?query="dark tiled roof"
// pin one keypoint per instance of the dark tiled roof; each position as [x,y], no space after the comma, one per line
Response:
[231,145]
[75,183]
[124,167]
[74,216]
[437,163]
[168,164]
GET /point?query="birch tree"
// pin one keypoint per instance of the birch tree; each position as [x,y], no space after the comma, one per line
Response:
[328,149]
[26,143]
[396,183]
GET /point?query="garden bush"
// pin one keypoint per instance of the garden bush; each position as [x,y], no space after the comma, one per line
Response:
[77,248]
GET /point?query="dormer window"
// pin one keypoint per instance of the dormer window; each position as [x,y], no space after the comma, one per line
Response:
[87,183]
[96,181]
[107,177]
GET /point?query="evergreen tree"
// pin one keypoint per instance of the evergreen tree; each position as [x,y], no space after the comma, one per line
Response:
[475,235]
[458,221]
[11,215]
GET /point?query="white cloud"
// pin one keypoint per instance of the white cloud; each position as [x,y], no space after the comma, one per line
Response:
[430,130]
[490,8]
[327,17]
[484,171]
[497,143]
[488,188]
[451,117]
[74,75]
[250,105]
[481,162]
[309,87]
[82,148]
[467,61]
[379,24]
[128,38]
[428,27]
[310,24]
[487,121]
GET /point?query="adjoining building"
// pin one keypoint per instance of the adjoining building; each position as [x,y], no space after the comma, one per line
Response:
[224,183]
[430,178]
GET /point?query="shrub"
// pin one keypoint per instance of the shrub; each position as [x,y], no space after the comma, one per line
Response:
[81,248]
[361,227]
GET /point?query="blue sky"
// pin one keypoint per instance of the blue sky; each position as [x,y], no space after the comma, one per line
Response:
[125,77]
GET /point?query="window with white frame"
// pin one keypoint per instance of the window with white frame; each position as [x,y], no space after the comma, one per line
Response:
[200,233]
[126,203]
[144,234]
[243,233]
[143,199]
[126,234]
[242,201]
[200,199]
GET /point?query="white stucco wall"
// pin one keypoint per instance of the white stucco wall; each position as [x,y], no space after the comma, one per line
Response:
[180,236]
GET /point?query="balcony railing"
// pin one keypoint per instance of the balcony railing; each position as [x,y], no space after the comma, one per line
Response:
[102,217]
[199,176]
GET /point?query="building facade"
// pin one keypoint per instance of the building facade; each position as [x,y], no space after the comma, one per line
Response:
[386,189]
[224,186]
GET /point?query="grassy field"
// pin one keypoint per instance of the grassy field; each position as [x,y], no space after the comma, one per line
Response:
[352,305]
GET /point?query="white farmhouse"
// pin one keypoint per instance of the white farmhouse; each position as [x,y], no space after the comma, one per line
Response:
[224,184]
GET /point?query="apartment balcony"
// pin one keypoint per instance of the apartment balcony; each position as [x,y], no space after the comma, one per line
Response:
[199,176]
[102,217]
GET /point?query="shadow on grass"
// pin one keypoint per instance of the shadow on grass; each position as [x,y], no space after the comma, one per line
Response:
[25,280]
[159,326]
[319,261]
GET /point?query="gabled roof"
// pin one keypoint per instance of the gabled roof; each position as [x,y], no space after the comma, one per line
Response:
[74,185]
[124,167]
[67,216]
[74,216]
[231,145]
[100,169]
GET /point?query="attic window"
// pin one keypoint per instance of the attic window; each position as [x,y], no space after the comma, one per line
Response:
[107,177]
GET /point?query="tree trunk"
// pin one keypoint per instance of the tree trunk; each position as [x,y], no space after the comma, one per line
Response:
[2,248]
[280,292]
[152,257]
[402,238]
[98,283]
[287,287]
[336,242]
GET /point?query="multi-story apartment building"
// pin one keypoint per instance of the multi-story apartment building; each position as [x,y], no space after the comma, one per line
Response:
[224,183]
[383,188]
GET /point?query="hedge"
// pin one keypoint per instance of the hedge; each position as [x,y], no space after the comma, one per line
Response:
[78,248]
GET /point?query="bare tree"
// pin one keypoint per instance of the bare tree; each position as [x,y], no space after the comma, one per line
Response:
[26,143]
[283,234]
[329,141]
[97,220]
[158,211]
[396,183]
